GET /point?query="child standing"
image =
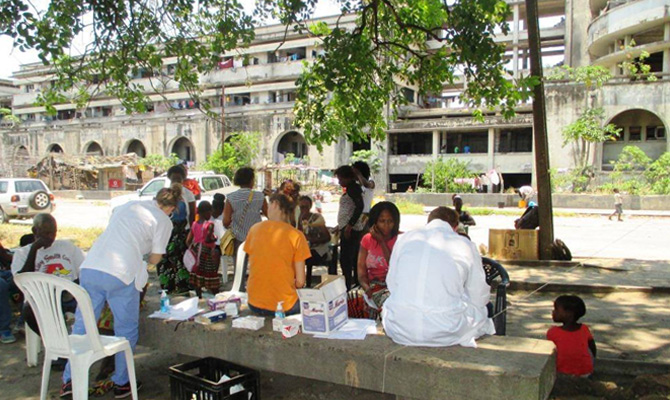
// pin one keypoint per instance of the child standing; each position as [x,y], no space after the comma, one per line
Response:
[618,205]
[206,272]
[575,345]
[218,204]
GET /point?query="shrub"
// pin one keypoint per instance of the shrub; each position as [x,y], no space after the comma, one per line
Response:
[445,171]
[658,174]
[238,152]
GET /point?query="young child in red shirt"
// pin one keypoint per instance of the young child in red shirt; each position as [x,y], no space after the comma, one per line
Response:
[576,348]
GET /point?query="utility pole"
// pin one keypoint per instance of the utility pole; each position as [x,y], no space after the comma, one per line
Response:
[223,115]
[540,134]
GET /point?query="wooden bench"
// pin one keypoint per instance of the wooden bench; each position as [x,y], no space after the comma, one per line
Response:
[500,368]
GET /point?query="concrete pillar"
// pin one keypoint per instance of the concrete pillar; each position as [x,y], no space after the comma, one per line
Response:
[515,42]
[643,133]
[436,144]
[444,141]
[491,149]
[666,52]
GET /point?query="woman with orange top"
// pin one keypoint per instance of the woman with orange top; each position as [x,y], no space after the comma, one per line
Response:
[277,253]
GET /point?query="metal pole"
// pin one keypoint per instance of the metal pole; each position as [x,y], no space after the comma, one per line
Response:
[540,135]
[223,115]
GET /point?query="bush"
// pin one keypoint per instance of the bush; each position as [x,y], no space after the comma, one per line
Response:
[576,180]
[238,152]
[370,157]
[160,163]
[658,174]
[446,170]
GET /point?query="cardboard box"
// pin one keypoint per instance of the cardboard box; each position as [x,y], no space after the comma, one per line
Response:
[324,308]
[513,244]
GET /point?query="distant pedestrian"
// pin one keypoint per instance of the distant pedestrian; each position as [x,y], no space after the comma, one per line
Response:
[618,206]
[575,346]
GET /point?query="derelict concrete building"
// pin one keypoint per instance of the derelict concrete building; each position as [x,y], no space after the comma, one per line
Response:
[259,97]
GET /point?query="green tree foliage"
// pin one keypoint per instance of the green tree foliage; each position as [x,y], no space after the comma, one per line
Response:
[634,65]
[591,76]
[658,174]
[7,116]
[445,171]
[343,93]
[587,130]
[129,39]
[370,157]
[237,152]
[159,162]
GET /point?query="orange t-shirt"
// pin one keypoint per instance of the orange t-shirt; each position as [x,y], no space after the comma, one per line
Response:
[274,247]
[573,355]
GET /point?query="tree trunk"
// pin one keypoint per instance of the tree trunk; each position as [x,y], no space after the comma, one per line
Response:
[540,135]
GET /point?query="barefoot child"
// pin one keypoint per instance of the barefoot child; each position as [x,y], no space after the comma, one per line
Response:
[575,346]
[206,273]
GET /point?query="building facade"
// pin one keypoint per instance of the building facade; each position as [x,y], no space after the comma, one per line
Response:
[259,97]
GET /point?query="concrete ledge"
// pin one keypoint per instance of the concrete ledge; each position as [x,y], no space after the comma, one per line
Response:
[501,368]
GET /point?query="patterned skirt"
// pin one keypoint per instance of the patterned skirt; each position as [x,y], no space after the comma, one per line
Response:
[173,276]
[206,273]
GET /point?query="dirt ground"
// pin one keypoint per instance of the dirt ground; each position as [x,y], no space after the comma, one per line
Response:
[614,319]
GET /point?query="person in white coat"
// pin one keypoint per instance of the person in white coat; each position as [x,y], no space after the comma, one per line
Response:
[439,293]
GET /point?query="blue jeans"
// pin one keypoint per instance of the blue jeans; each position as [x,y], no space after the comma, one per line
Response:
[6,281]
[268,313]
[124,301]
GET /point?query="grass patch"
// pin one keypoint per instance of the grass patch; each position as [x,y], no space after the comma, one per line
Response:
[83,238]
[511,212]
[407,207]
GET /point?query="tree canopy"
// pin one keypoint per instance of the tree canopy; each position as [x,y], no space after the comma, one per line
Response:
[344,92]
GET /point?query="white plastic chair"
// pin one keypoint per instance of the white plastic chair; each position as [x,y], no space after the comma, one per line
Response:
[241,262]
[33,346]
[43,293]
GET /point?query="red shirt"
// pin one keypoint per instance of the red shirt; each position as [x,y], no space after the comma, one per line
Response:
[192,185]
[375,262]
[574,356]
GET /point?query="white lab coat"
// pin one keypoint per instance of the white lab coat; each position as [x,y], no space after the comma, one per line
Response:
[438,290]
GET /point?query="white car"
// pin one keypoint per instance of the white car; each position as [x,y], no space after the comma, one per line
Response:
[23,198]
[210,183]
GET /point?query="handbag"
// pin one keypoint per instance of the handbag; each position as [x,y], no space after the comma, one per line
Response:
[227,242]
[190,259]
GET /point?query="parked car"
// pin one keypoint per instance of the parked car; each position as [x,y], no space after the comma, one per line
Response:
[23,198]
[210,183]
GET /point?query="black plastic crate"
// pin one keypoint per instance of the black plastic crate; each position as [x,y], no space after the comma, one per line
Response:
[197,380]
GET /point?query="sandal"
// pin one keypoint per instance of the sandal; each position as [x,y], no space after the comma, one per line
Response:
[101,388]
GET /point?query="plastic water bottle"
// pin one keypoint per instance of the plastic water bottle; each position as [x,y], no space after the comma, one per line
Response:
[279,313]
[165,302]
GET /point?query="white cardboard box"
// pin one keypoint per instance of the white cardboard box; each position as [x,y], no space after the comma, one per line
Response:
[324,308]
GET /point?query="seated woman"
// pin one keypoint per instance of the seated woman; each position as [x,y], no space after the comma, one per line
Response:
[313,225]
[277,253]
[375,251]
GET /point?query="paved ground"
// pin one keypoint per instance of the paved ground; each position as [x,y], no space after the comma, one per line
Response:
[639,237]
